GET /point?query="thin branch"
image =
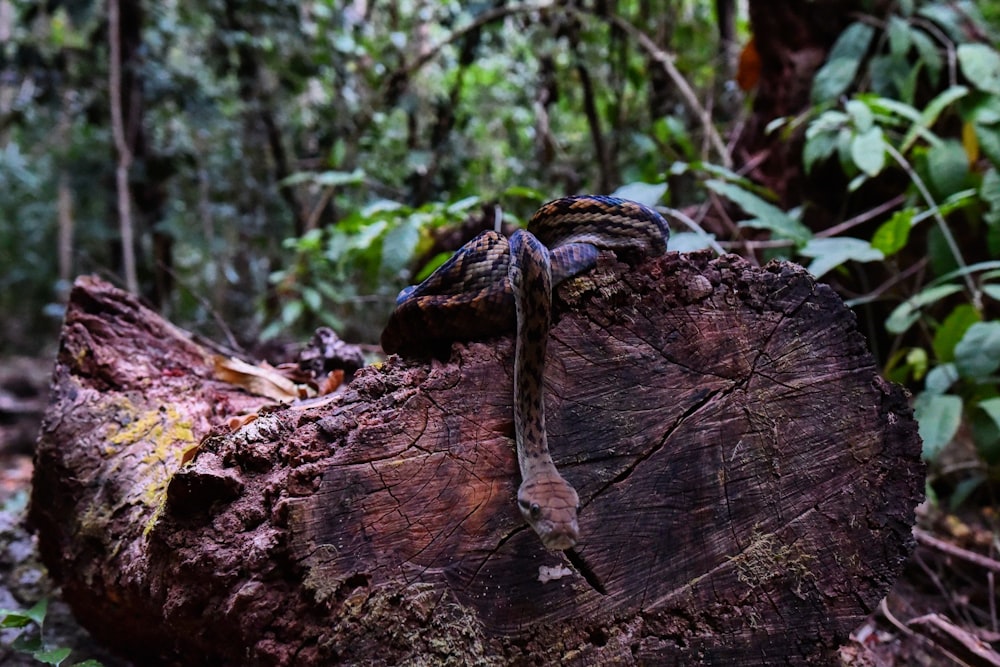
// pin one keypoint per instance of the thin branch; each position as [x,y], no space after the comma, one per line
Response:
[974,293]
[312,219]
[483,19]
[881,289]
[862,218]
[661,57]
[991,582]
[884,608]
[950,549]
[121,146]
[594,121]
[666,61]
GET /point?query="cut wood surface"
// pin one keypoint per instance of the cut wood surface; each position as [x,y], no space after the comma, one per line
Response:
[747,483]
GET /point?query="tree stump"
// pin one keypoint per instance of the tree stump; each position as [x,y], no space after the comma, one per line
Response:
[747,483]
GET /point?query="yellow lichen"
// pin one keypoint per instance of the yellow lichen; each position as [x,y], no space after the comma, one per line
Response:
[159,438]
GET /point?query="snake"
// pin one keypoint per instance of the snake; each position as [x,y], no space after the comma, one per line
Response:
[492,285]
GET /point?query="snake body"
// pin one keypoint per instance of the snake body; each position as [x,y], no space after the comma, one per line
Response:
[492,284]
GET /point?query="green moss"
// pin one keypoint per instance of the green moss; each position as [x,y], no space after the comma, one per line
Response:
[765,558]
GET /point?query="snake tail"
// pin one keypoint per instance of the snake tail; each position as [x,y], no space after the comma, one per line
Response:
[546,500]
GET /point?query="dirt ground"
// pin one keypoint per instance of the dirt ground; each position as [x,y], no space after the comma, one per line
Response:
[942,610]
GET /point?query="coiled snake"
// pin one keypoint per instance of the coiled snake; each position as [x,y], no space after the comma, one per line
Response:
[490,283]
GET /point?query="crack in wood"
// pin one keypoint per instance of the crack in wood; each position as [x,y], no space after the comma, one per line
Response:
[588,574]
[628,470]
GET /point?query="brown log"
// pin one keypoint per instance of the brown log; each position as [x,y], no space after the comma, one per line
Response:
[747,484]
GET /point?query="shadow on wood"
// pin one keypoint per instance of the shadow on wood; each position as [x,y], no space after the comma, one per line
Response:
[747,484]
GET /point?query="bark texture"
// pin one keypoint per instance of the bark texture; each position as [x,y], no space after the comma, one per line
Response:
[747,484]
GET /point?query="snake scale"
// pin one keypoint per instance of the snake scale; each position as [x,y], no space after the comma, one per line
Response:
[492,285]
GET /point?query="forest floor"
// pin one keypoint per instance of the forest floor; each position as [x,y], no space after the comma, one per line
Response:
[941,611]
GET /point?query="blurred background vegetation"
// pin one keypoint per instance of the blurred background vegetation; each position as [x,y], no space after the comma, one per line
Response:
[255,169]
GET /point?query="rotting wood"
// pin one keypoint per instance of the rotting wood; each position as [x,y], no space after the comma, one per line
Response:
[748,484]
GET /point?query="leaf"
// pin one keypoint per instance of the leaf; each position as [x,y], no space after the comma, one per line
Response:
[947,167]
[776,124]
[818,147]
[968,270]
[437,260]
[398,247]
[977,355]
[861,115]
[51,656]
[942,101]
[325,178]
[990,192]
[917,360]
[828,121]
[524,192]
[941,378]
[908,312]
[832,252]
[853,42]
[929,54]
[463,205]
[647,194]
[312,298]
[890,75]
[899,36]
[964,489]
[690,241]
[27,642]
[939,252]
[938,417]
[38,611]
[892,235]
[766,215]
[985,423]
[931,113]
[992,291]
[260,380]
[947,18]
[894,370]
[13,619]
[891,106]
[980,64]
[988,139]
[868,151]
[952,329]
[833,79]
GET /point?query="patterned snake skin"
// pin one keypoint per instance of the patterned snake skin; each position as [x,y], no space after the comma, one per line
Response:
[492,285]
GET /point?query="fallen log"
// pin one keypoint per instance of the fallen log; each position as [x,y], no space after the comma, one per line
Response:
[747,483]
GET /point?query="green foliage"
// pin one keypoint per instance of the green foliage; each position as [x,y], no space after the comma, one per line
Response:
[30,643]
[266,121]
[340,273]
[843,62]
[765,215]
[906,113]
[887,106]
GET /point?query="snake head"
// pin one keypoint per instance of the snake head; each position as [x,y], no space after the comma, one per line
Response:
[549,505]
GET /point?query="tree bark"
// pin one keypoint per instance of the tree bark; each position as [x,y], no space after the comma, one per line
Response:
[747,482]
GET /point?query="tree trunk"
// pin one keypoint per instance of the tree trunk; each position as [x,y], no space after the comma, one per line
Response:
[747,484]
